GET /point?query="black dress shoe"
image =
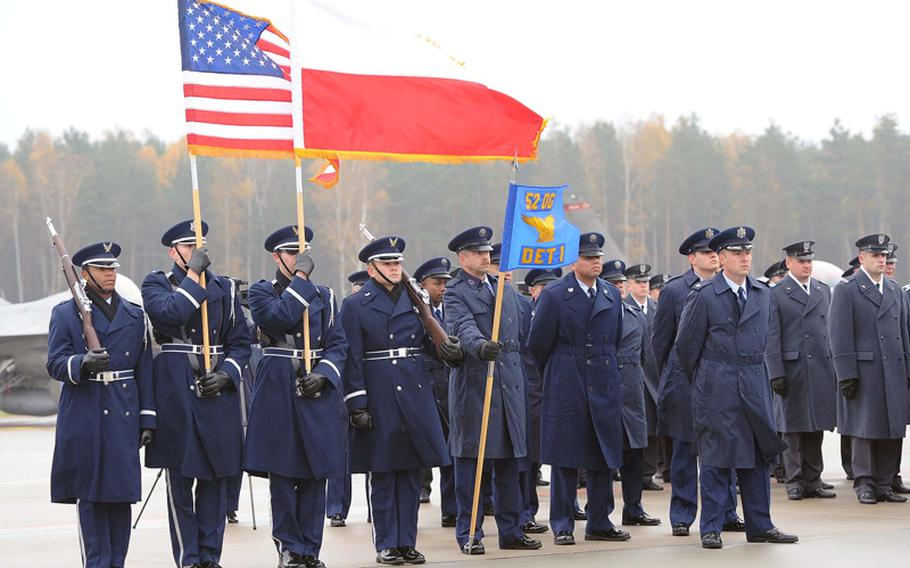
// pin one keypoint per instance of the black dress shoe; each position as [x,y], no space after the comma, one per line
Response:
[795,494]
[899,487]
[337,520]
[313,562]
[680,529]
[564,538]
[650,485]
[612,535]
[449,521]
[821,493]
[210,564]
[524,542]
[533,527]
[892,497]
[711,539]
[232,517]
[424,495]
[580,515]
[736,525]
[867,498]
[541,482]
[616,475]
[288,559]
[827,485]
[389,556]
[643,520]
[849,477]
[473,548]
[774,536]
[411,555]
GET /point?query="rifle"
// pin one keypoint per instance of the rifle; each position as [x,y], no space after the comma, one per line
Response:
[83,304]
[420,298]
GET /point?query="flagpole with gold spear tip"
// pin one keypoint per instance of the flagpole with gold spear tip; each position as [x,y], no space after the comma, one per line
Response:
[197,227]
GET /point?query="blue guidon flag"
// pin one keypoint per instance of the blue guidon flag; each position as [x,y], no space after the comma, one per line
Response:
[536,232]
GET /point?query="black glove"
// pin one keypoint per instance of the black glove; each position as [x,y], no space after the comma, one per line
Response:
[311,385]
[450,350]
[199,260]
[213,383]
[848,388]
[96,360]
[780,386]
[146,437]
[490,350]
[304,264]
[362,420]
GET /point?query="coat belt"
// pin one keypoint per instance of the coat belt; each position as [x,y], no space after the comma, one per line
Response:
[587,350]
[399,353]
[315,354]
[734,359]
[108,377]
[190,348]
[628,360]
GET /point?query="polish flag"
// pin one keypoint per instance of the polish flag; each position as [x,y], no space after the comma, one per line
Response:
[366,88]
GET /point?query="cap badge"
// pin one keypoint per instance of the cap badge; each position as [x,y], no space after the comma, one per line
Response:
[642,268]
[296,230]
[393,241]
[806,246]
[709,233]
[107,247]
[592,237]
[445,263]
[617,265]
[741,232]
[482,232]
[881,239]
[192,226]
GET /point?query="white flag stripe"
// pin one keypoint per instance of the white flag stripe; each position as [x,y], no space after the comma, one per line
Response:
[235,106]
[279,59]
[236,80]
[240,132]
[274,39]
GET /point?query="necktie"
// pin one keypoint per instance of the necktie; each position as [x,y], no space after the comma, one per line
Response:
[806,287]
[438,313]
[591,293]
[741,298]
[490,288]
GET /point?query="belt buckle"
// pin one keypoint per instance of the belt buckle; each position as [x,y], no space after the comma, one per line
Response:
[588,351]
[196,350]
[105,376]
[400,353]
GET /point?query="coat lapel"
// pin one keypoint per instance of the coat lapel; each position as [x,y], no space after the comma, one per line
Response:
[99,320]
[795,291]
[602,299]
[867,288]
[889,297]
[123,318]
[377,299]
[752,306]
[576,297]
[404,304]
[816,297]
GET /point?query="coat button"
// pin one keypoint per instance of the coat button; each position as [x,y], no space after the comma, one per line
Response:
[588,362]
[127,354]
[394,361]
[398,387]
[590,389]
[606,363]
[192,388]
[127,413]
[413,336]
[391,336]
[192,331]
[885,357]
[808,336]
[882,337]
[123,385]
[105,412]
[809,356]
[298,334]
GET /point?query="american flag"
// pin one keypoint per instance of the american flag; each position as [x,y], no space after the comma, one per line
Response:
[236,83]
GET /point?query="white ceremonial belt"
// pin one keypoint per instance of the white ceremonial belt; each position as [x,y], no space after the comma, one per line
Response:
[290,353]
[190,348]
[399,353]
[108,377]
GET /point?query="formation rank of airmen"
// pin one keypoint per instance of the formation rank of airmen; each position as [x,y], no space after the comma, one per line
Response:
[605,369]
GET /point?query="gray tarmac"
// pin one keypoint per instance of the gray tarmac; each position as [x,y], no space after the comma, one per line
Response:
[838,532]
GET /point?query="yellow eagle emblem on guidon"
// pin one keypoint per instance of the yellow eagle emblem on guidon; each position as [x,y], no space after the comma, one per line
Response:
[107,247]
[545,227]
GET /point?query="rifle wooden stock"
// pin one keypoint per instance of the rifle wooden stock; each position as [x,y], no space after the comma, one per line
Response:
[430,323]
[83,304]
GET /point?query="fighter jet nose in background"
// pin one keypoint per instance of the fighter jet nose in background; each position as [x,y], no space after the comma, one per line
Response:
[25,387]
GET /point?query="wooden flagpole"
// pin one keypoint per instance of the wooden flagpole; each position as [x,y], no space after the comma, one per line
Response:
[197,227]
[488,392]
[301,235]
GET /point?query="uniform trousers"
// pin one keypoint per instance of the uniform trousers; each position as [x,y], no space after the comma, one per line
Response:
[600,503]
[297,506]
[684,480]
[875,464]
[803,461]
[338,496]
[196,518]
[104,533]
[394,502]
[507,502]
[755,491]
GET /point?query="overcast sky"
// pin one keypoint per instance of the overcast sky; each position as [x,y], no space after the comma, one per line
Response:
[99,64]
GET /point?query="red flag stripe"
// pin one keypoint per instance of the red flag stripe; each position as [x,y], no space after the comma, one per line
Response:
[236,93]
[266,45]
[238,144]
[238,119]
